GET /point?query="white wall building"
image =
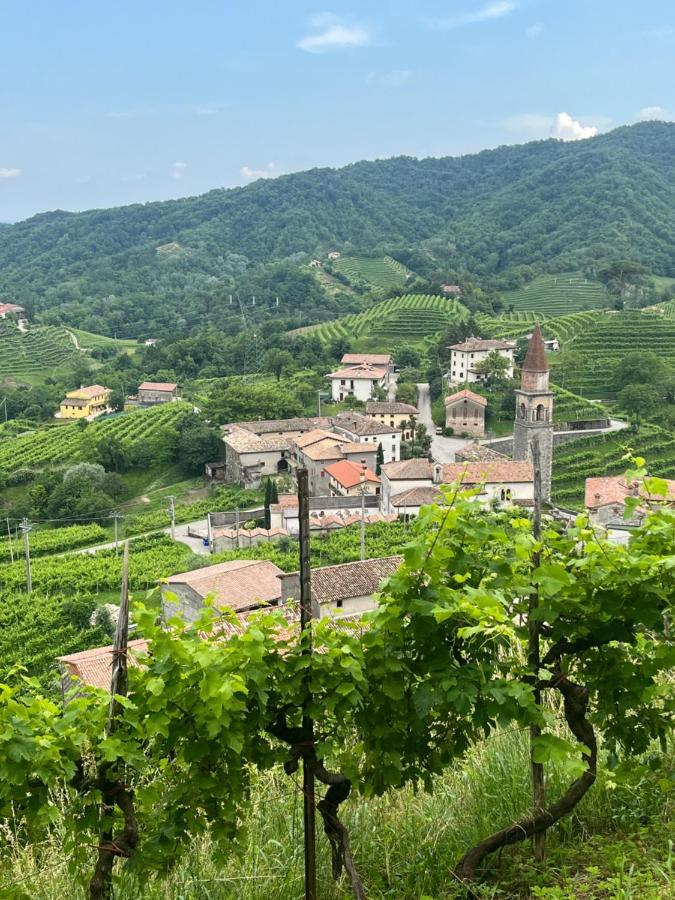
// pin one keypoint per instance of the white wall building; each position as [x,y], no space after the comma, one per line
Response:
[465,356]
[360,381]
[367,430]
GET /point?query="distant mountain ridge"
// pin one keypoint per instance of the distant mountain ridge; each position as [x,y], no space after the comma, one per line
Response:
[546,203]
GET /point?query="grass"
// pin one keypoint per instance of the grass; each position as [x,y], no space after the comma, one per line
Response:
[382,272]
[618,844]
[555,295]
[89,341]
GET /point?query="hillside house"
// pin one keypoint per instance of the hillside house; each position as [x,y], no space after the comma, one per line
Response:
[334,254]
[605,500]
[320,448]
[150,342]
[452,290]
[394,414]
[465,356]
[507,481]
[350,479]
[85,403]
[12,311]
[94,667]
[240,584]
[345,589]
[465,413]
[368,430]
[368,359]
[152,392]
[315,264]
[326,513]
[359,381]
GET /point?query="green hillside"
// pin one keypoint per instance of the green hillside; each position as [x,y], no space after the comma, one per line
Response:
[569,203]
[555,295]
[379,271]
[38,352]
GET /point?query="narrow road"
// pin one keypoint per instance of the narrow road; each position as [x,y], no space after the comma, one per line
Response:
[443,449]
[195,544]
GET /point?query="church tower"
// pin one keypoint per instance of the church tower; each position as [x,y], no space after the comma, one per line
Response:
[534,411]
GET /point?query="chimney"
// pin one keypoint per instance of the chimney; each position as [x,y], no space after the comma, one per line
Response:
[438,473]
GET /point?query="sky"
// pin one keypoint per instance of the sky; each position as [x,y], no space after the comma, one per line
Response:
[104,104]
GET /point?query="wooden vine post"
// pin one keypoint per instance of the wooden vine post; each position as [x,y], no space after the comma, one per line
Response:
[534,660]
[113,789]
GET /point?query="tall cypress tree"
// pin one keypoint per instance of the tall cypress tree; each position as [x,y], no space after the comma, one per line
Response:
[379,459]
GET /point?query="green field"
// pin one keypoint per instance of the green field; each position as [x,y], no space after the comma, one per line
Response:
[413,316]
[89,341]
[555,295]
[381,272]
[668,309]
[38,352]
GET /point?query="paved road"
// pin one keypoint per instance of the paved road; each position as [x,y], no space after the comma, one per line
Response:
[195,544]
[443,449]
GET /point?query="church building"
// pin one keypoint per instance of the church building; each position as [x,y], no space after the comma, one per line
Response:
[534,411]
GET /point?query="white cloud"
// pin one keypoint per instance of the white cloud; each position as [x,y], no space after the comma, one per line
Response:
[535,30]
[393,79]
[271,170]
[327,33]
[486,13]
[653,113]
[9,173]
[179,169]
[565,128]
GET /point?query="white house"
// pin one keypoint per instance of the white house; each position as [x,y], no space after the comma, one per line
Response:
[347,478]
[367,430]
[401,477]
[368,359]
[465,356]
[606,500]
[360,381]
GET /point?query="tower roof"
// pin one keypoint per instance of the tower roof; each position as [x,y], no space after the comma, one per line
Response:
[535,359]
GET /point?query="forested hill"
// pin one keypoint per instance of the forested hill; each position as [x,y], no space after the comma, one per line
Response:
[545,203]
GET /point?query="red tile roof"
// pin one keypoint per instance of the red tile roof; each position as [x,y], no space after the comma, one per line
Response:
[354,579]
[157,386]
[239,583]
[348,473]
[408,470]
[363,371]
[605,490]
[466,394]
[489,472]
[94,666]
[373,359]
[419,496]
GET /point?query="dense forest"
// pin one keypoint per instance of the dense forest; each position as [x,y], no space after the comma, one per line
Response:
[170,267]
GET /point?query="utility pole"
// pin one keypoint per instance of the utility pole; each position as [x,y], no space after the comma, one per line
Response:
[236,525]
[362,479]
[318,395]
[172,513]
[307,614]
[25,528]
[116,516]
[9,540]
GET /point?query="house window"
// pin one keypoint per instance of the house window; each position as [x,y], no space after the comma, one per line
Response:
[338,604]
[342,381]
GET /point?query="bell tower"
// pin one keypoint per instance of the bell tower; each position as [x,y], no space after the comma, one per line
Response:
[534,411]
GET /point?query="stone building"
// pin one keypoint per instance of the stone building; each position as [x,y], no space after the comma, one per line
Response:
[465,413]
[534,411]
[152,392]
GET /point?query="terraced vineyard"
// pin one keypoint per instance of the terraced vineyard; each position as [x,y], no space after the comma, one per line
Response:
[382,272]
[62,443]
[413,316]
[602,455]
[669,309]
[38,351]
[517,324]
[569,407]
[557,295]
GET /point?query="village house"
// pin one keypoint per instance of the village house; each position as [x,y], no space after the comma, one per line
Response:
[315,264]
[465,413]
[359,381]
[605,500]
[85,403]
[318,449]
[351,479]
[394,414]
[345,589]
[407,506]
[240,584]
[368,430]
[507,481]
[334,254]
[94,667]
[150,342]
[153,392]
[452,290]
[368,359]
[465,356]
[12,311]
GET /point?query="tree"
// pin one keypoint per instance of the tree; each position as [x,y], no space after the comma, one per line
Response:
[407,357]
[640,367]
[276,361]
[239,401]
[639,400]
[406,392]
[379,459]
[198,444]
[492,369]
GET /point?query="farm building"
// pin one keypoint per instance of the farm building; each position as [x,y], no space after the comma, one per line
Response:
[85,403]
[606,498]
[367,430]
[452,290]
[151,392]
[94,667]
[394,414]
[12,311]
[465,413]
[350,479]
[359,381]
[465,356]
[334,254]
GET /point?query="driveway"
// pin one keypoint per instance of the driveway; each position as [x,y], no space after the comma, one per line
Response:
[443,449]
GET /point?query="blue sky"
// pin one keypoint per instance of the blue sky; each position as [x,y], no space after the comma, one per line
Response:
[103,104]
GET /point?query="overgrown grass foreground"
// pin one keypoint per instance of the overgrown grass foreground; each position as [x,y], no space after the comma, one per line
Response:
[618,844]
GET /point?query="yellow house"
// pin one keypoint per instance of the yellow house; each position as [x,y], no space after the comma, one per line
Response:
[86,402]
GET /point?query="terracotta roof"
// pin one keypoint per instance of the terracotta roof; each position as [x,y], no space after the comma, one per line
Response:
[239,584]
[10,307]
[605,490]
[465,395]
[350,448]
[473,344]
[283,426]
[354,579]
[363,371]
[328,448]
[315,435]
[408,470]
[371,359]
[94,667]
[383,407]
[417,497]
[348,473]
[249,532]
[475,452]
[243,441]
[510,470]
[363,425]
[92,390]
[535,359]
[157,386]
